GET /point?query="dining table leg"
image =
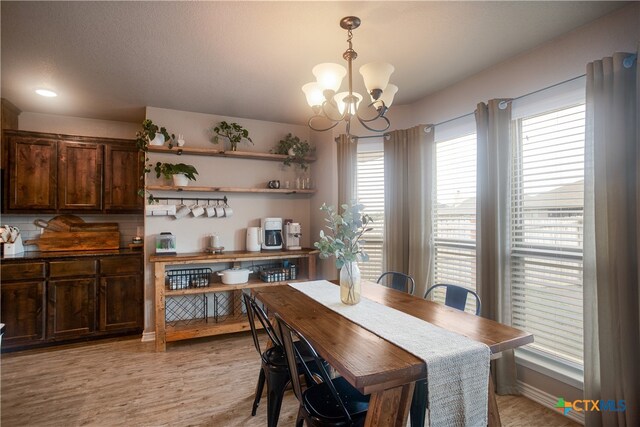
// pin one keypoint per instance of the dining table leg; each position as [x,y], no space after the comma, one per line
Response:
[494,415]
[390,407]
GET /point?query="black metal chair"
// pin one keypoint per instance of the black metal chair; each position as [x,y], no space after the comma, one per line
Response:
[399,281]
[274,369]
[332,402]
[455,297]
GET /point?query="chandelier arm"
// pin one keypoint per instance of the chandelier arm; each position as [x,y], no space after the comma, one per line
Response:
[380,111]
[328,116]
[320,129]
[364,123]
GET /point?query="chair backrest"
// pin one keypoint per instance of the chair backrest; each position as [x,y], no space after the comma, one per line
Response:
[399,281]
[255,311]
[294,359]
[456,296]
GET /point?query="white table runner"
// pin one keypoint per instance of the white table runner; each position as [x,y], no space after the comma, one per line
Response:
[457,367]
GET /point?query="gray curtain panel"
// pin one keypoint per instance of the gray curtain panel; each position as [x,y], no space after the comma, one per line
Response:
[409,157]
[492,240]
[612,206]
[347,167]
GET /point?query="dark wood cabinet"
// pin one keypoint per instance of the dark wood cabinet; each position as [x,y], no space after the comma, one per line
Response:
[63,173]
[32,173]
[70,308]
[121,294]
[64,299]
[22,305]
[122,178]
[80,176]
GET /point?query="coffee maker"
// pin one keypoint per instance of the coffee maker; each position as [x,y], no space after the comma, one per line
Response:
[272,233]
[292,234]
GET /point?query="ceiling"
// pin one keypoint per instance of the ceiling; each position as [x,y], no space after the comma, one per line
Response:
[108,60]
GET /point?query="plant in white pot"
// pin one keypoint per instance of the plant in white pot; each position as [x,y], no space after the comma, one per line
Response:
[345,243]
[296,151]
[180,173]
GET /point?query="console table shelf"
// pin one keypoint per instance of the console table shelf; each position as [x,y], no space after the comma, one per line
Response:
[236,320]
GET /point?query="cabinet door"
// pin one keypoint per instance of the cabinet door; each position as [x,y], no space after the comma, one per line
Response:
[70,308]
[121,303]
[22,306]
[122,178]
[80,176]
[32,173]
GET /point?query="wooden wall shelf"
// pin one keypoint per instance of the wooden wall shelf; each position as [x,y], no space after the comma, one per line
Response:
[221,153]
[194,188]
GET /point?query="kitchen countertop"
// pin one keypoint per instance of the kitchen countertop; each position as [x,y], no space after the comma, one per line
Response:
[43,256]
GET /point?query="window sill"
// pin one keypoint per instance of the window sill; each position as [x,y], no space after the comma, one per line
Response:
[569,374]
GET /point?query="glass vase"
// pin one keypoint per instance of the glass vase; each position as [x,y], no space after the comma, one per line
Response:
[350,283]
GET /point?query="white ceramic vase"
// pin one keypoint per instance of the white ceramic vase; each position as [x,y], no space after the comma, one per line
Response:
[158,140]
[180,180]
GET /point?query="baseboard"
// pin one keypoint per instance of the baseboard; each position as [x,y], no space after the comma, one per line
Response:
[148,336]
[547,400]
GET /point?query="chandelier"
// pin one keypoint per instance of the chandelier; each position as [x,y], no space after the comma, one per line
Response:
[331,108]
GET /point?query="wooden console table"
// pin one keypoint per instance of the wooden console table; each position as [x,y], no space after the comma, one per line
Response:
[207,326]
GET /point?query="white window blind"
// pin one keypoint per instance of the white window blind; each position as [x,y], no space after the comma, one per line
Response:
[455,214]
[370,187]
[546,231]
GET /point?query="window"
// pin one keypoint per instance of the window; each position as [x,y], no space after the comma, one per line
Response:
[454,208]
[546,231]
[370,187]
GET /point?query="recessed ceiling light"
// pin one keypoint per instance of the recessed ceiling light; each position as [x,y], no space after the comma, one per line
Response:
[46,92]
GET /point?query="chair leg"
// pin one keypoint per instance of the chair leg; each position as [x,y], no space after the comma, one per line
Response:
[300,418]
[259,389]
[418,409]
[276,384]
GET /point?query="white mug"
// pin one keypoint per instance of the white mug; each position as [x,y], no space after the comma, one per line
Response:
[182,211]
[219,211]
[228,211]
[197,210]
[211,211]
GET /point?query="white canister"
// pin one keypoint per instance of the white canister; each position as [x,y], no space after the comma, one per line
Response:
[215,241]
[254,239]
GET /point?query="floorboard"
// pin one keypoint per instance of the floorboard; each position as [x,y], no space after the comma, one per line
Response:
[203,382]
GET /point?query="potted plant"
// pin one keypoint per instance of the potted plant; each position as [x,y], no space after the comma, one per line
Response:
[234,132]
[180,173]
[152,134]
[296,151]
[345,243]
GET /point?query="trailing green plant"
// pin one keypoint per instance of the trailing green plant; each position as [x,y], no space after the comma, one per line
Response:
[148,133]
[167,170]
[234,132]
[295,149]
[345,240]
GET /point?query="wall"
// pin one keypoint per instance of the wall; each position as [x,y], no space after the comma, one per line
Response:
[130,225]
[193,233]
[563,58]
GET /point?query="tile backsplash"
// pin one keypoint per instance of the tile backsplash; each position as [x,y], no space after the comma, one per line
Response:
[129,225]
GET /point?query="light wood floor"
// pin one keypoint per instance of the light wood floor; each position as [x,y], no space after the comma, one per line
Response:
[199,382]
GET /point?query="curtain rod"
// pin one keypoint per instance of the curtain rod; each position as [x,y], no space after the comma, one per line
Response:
[473,112]
[628,63]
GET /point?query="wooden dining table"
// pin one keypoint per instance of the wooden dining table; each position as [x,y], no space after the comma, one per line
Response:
[372,364]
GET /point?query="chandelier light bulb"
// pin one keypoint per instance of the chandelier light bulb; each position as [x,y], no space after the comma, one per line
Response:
[313,92]
[342,100]
[376,75]
[388,95]
[329,76]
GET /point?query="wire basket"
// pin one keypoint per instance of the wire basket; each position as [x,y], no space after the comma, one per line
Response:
[188,278]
